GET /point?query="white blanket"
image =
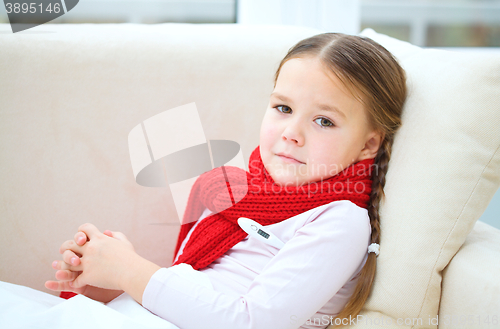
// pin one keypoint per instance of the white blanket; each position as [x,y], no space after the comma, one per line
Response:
[23,307]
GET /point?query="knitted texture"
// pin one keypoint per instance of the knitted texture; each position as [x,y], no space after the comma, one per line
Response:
[67,294]
[260,199]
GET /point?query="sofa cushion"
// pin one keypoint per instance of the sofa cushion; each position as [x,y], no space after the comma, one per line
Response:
[444,170]
[470,295]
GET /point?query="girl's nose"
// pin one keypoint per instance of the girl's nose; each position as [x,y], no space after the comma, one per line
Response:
[292,133]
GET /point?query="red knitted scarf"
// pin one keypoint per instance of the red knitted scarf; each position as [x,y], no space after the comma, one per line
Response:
[261,199]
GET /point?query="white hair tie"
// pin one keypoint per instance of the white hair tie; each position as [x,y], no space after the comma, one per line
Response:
[374,247]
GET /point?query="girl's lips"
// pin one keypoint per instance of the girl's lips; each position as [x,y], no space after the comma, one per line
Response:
[288,159]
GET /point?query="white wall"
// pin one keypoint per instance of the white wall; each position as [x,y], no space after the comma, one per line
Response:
[492,213]
[326,15]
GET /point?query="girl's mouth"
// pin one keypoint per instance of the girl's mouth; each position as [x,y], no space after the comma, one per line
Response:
[288,159]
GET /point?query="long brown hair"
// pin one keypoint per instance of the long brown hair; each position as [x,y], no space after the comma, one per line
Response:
[375,78]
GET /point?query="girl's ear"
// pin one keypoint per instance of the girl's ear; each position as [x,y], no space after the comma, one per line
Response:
[372,144]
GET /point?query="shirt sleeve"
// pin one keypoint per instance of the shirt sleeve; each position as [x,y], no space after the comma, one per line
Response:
[303,276]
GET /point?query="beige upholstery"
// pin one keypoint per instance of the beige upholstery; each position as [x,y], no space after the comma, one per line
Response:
[70,95]
[471,291]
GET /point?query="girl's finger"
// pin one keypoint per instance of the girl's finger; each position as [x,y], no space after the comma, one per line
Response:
[57,286]
[108,233]
[60,265]
[66,275]
[62,286]
[78,283]
[71,258]
[120,236]
[63,266]
[89,230]
[80,238]
[70,245]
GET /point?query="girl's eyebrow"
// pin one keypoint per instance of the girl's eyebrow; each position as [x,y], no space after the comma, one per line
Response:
[333,109]
[282,97]
[323,107]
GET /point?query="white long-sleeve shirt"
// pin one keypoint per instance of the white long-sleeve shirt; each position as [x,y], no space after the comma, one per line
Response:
[255,285]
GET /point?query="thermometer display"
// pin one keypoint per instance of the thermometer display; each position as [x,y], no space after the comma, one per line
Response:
[264,234]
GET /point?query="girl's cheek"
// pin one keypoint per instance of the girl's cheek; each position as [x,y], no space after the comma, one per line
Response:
[267,133]
[267,141]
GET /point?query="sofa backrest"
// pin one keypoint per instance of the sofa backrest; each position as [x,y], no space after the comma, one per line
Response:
[69,97]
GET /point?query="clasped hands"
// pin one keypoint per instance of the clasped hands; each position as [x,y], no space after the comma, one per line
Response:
[99,265]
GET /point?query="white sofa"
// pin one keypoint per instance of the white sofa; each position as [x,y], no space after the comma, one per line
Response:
[70,95]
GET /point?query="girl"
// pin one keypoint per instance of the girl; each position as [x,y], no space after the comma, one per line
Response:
[315,182]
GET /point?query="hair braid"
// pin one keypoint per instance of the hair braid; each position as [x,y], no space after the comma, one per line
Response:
[367,273]
[377,194]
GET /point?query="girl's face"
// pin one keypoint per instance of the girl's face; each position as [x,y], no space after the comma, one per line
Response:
[313,127]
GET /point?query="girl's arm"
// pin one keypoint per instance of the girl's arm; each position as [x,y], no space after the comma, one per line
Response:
[136,276]
[303,276]
[297,282]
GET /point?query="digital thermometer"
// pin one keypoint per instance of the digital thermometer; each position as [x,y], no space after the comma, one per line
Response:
[258,231]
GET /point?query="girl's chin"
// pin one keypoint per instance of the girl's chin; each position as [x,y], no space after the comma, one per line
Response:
[288,181]
[298,181]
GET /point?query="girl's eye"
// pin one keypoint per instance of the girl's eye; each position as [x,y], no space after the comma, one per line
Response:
[285,107]
[324,122]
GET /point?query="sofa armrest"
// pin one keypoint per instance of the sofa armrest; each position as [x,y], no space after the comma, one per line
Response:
[471,286]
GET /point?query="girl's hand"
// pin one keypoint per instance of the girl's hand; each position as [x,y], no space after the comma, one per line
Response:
[101,261]
[64,276]
[103,264]
[71,258]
